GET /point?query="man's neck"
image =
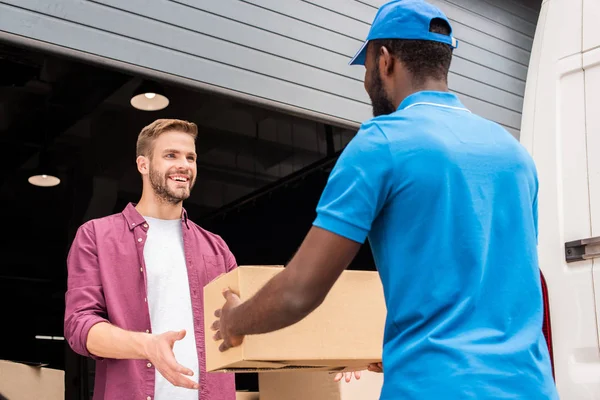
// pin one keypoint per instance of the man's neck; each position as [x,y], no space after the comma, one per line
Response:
[429,85]
[151,206]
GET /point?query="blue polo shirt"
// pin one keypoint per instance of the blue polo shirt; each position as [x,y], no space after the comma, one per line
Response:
[448,201]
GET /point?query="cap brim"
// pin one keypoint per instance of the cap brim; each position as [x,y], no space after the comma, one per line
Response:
[361,55]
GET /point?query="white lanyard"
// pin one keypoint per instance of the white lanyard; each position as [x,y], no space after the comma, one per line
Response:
[436,105]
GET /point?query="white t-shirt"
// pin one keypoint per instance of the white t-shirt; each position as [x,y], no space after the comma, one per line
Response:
[169,300]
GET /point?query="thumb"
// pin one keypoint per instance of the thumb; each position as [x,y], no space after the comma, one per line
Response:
[228,294]
[177,335]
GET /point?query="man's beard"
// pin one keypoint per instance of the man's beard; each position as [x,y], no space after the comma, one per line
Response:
[161,189]
[381,103]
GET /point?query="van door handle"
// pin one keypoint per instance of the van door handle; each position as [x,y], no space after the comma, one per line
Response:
[584,249]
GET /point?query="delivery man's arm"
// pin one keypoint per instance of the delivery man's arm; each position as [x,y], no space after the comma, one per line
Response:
[296,291]
[356,192]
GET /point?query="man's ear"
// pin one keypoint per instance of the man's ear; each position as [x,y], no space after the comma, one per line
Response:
[386,61]
[143,164]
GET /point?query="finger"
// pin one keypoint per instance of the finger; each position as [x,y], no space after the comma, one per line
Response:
[180,369]
[218,336]
[182,381]
[176,335]
[338,377]
[375,367]
[174,367]
[178,379]
[227,293]
[224,346]
[168,377]
[348,376]
[216,325]
[357,374]
[218,313]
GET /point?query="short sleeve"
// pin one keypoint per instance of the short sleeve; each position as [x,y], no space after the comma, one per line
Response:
[358,185]
[535,210]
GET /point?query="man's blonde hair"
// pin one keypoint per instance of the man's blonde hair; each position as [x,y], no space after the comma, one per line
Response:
[146,138]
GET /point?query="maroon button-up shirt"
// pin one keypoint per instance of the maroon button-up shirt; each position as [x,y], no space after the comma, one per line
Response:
[107,283]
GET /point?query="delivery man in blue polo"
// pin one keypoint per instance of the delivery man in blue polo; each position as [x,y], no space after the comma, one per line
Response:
[448,201]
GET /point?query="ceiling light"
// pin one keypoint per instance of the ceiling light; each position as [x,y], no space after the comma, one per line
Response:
[44,180]
[44,337]
[149,96]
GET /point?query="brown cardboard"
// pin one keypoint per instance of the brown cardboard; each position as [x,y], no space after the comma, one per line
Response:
[345,331]
[246,396]
[303,385]
[25,382]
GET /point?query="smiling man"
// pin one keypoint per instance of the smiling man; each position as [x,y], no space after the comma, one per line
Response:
[448,201]
[136,278]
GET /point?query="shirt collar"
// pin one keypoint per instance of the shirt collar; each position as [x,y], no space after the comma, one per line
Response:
[444,99]
[134,218]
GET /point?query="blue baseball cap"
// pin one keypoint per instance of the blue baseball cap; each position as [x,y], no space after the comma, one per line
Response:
[405,19]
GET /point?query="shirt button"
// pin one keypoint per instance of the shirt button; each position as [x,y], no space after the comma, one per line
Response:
[139,239]
[145,300]
[147,330]
[141,269]
[145,225]
[149,365]
[148,398]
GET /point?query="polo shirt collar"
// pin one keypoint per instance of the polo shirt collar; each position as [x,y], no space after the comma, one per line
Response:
[432,98]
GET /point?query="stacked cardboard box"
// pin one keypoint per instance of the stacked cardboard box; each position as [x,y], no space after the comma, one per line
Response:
[303,385]
[20,381]
[246,396]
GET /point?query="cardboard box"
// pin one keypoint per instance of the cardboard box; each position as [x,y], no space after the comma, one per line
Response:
[345,331]
[25,382]
[246,396]
[303,385]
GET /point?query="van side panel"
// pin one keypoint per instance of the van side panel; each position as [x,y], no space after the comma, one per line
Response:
[555,130]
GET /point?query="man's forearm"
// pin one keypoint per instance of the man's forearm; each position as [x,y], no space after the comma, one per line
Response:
[277,305]
[108,341]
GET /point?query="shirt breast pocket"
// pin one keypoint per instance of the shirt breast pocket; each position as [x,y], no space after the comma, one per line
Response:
[214,266]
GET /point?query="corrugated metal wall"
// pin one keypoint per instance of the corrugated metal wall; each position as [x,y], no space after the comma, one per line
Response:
[288,52]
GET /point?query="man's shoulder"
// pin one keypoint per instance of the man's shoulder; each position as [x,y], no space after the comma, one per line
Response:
[208,236]
[103,223]
[399,126]
[382,124]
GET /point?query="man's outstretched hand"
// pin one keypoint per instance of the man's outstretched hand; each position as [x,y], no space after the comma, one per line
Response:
[159,351]
[222,326]
[377,367]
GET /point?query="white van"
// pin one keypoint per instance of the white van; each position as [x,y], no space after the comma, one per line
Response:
[561,129]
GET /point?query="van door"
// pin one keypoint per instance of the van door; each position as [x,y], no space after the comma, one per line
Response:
[591,67]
